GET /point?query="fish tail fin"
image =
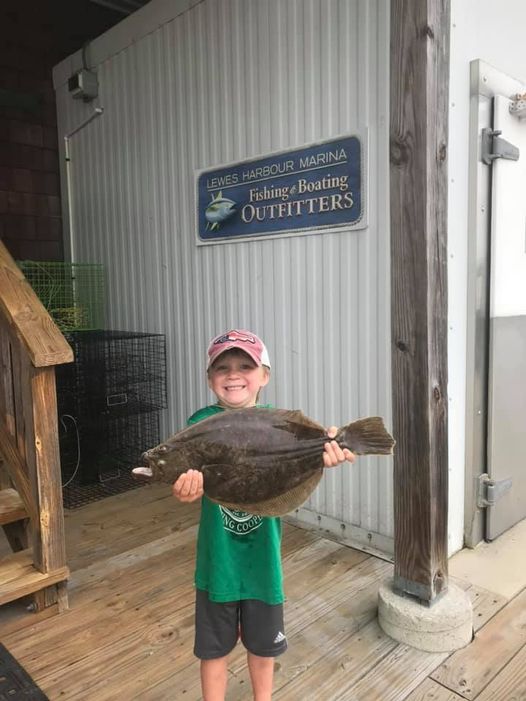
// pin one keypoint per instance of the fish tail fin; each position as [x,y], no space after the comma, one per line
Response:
[366,437]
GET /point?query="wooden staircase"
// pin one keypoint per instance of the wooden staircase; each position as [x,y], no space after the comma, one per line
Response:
[31,510]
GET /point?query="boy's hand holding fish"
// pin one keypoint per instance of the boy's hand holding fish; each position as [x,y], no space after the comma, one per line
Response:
[333,455]
[189,486]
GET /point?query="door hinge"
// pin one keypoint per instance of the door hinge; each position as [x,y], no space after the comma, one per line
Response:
[490,491]
[493,146]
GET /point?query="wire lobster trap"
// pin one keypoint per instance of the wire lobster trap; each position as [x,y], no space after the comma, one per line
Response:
[109,402]
[97,456]
[115,373]
[72,293]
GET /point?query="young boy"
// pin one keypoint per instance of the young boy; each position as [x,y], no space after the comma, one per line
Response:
[238,578]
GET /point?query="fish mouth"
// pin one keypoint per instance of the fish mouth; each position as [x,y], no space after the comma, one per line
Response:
[143,472]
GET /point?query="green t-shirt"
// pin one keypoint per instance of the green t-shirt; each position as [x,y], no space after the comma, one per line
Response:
[238,554]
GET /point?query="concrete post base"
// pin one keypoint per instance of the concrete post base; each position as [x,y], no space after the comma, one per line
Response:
[444,626]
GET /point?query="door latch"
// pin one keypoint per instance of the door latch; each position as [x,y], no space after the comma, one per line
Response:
[493,146]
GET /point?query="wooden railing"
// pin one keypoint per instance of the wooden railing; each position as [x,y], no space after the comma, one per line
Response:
[31,510]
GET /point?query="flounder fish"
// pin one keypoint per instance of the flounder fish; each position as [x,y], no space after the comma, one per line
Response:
[262,461]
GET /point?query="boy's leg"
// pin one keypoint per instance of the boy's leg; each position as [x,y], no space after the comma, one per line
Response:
[261,675]
[262,633]
[214,676]
[216,631]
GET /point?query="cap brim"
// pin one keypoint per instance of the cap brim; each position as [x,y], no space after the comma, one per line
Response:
[259,362]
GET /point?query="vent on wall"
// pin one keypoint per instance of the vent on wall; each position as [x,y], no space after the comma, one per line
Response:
[83,85]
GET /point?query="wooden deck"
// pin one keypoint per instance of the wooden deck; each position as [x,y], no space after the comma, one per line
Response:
[128,633]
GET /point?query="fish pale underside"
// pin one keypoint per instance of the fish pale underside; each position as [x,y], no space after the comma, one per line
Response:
[261,461]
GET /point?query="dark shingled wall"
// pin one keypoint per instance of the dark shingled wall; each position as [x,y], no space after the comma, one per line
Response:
[34,36]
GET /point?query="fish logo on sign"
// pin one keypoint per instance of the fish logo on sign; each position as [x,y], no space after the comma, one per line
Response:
[219,209]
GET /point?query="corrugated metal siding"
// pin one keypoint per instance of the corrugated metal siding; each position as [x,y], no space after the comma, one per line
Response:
[225,81]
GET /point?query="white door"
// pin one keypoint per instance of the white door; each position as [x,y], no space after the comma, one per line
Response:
[506,450]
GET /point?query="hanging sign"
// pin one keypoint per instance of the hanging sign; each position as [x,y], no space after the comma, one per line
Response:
[302,191]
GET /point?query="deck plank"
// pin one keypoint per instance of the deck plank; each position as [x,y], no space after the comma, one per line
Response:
[132,664]
[471,669]
[510,683]
[396,675]
[314,631]
[129,631]
[343,603]
[430,690]
[358,590]
[335,669]
[485,605]
[177,626]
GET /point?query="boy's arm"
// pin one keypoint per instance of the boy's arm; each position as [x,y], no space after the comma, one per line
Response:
[334,455]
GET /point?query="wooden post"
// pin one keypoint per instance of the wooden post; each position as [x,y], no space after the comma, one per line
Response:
[43,458]
[419,77]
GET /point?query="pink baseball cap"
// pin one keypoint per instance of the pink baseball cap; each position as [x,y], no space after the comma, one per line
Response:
[246,341]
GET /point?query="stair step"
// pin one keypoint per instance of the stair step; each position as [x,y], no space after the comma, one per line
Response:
[19,577]
[11,507]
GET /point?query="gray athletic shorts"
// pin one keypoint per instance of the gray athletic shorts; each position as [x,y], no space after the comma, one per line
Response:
[218,626]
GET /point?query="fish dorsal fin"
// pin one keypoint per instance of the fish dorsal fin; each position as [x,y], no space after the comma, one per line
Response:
[280,505]
[296,416]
